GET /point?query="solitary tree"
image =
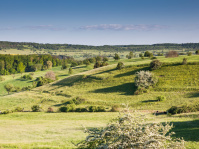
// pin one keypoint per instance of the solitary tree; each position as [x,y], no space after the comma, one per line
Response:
[116,57]
[50,75]
[130,55]
[148,54]
[49,64]
[9,87]
[144,79]
[70,71]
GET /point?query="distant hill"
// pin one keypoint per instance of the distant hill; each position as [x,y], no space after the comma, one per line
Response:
[37,46]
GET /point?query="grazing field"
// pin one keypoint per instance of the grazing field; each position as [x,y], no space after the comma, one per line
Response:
[104,86]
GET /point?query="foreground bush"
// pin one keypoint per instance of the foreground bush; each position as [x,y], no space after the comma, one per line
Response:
[130,131]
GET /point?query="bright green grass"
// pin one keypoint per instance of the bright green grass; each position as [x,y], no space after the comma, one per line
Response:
[181,77]
[103,86]
[17,81]
[107,86]
[59,130]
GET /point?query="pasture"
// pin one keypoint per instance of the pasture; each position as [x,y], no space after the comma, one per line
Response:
[104,86]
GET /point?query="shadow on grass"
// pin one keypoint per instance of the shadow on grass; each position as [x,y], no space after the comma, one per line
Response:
[131,72]
[69,81]
[106,71]
[124,89]
[61,104]
[146,101]
[193,95]
[77,67]
[64,75]
[189,130]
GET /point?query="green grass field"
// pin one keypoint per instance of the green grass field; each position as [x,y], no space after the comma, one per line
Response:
[103,86]
[61,130]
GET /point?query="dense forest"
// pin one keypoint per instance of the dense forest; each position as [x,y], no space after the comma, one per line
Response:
[38,46]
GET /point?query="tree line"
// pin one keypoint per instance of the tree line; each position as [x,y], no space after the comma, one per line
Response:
[12,64]
[39,46]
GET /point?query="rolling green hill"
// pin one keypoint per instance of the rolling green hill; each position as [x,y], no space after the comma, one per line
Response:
[105,86]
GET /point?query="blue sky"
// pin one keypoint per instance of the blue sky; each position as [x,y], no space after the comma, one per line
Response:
[100,22]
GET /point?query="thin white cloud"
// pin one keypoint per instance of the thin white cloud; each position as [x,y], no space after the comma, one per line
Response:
[140,27]
[35,27]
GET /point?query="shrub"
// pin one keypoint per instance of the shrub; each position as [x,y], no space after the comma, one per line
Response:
[160,98]
[9,87]
[184,62]
[130,55]
[1,78]
[116,57]
[70,71]
[141,55]
[49,64]
[120,65]
[153,58]
[7,112]
[197,52]
[16,89]
[27,77]
[100,64]
[140,90]
[63,109]
[155,64]
[189,53]
[115,108]
[68,108]
[105,59]
[73,64]
[98,58]
[144,79]
[64,65]
[50,110]
[41,81]
[148,54]
[50,75]
[27,88]
[77,101]
[129,131]
[81,110]
[172,54]
[184,109]
[18,109]
[92,109]
[36,108]
[160,54]
[100,109]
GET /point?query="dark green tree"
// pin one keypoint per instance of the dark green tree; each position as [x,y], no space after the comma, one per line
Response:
[116,57]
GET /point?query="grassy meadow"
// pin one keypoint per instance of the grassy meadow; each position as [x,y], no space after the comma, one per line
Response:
[105,86]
